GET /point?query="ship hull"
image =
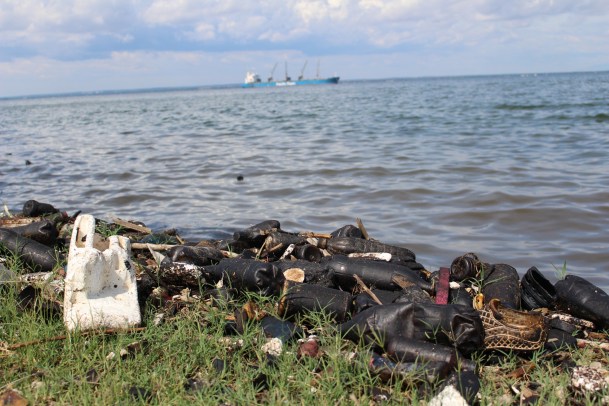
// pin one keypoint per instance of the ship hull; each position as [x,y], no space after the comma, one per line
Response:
[302,82]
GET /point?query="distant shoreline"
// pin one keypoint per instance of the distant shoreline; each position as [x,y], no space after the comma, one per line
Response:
[238,85]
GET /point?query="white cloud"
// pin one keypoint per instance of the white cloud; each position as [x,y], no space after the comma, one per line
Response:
[62,27]
[384,23]
[202,32]
[440,30]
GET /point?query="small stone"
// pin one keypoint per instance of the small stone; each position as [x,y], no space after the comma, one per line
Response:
[195,385]
[309,348]
[587,380]
[131,349]
[449,396]
[219,365]
[92,376]
[12,397]
[273,347]
[379,395]
[138,393]
[560,394]
[37,385]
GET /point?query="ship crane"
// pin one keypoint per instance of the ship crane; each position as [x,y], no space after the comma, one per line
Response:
[270,79]
[287,77]
[301,77]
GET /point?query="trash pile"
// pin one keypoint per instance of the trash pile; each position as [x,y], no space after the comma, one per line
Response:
[377,295]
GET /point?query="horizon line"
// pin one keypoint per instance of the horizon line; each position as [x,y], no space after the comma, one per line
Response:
[161,89]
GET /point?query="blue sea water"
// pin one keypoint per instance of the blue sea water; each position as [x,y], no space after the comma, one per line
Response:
[514,168]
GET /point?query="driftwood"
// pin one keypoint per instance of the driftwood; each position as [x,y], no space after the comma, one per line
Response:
[131,226]
[10,222]
[310,234]
[109,331]
[156,247]
[366,289]
[361,227]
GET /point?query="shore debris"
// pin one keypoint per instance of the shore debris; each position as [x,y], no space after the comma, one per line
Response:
[411,320]
[100,285]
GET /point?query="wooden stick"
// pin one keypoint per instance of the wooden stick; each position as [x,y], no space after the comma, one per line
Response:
[131,226]
[581,343]
[310,234]
[360,225]
[365,288]
[156,247]
[10,222]
[107,331]
[229,254]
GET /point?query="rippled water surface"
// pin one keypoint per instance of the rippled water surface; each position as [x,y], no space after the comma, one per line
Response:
[514,168]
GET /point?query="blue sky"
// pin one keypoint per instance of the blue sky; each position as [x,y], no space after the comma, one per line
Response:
[87,45]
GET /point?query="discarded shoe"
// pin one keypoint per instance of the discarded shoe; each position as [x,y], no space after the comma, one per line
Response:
[581,298]
[303,298]
[364,300]
[347,231]
[32,252]
[281,329]
[407,350]
[444,324]
[284,239]
[388,370]
[465,266]
[559,339]
[409,294]
[537,291]
[32,208]
[308,252]
[502,283]
[195,255]
[257,233]
[43,231]
[247,274]
[315,273]
[348,245]
[511,329]
[378,274]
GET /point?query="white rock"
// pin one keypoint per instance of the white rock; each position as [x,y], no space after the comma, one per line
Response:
[273,347]
[587,380]
[449,396]
[100,285]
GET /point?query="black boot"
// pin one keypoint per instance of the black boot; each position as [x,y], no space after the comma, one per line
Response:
[247,274]
[580,298]
[37,255]
[537,291]
[444,324]
[502,283]
[303,298]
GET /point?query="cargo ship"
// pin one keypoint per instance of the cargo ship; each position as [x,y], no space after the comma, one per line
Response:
[252,79]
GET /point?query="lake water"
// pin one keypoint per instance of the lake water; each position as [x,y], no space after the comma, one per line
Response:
[514,168]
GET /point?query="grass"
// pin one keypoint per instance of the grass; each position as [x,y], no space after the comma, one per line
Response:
[174,358]
[106,229]
[561,273]
[177,363]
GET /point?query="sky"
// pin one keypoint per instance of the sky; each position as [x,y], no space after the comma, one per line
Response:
[62,46]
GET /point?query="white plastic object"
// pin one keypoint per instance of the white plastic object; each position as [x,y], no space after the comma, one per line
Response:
[100,285]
